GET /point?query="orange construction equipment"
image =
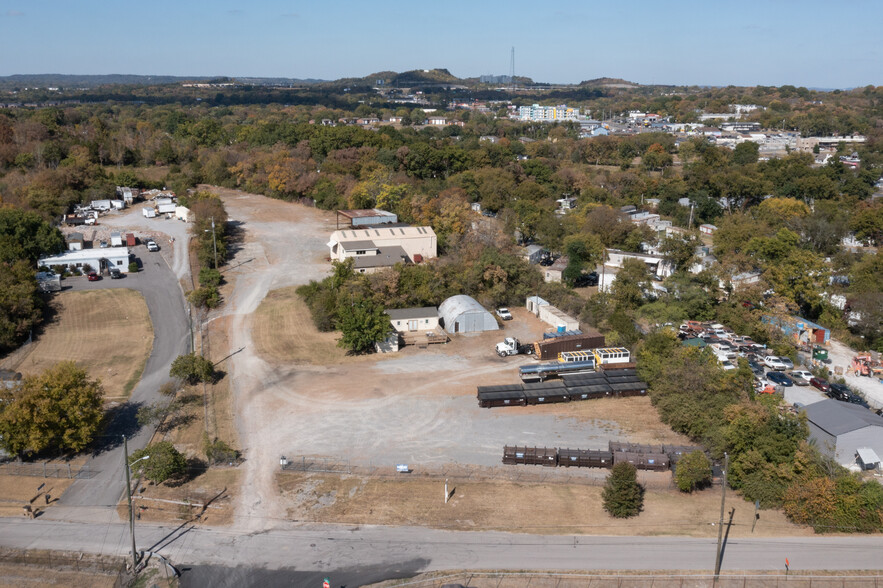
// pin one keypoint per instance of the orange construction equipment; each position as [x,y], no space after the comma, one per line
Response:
[865,365]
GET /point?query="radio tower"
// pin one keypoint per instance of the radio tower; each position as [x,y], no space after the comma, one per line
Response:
[512,69]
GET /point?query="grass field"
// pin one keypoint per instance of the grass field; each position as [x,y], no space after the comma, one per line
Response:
[158,503]
[107,332]
[18,491]
[283,332]
[517,507]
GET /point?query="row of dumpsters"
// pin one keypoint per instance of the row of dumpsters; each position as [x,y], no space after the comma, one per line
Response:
[643,457]
[570,388]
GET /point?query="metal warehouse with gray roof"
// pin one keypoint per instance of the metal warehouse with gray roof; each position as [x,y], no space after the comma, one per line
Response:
[463,314]
[839,429]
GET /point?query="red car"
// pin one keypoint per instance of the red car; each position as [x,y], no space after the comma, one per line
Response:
[820,384]
[93,276]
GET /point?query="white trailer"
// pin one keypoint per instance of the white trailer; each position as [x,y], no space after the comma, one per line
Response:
[148,212]
[116,239]
[165,209]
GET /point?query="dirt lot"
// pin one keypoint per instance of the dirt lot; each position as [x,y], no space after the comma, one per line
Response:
[107,331]
[515,507]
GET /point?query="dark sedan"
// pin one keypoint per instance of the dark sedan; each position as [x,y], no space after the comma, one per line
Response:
[820,384]
[779,378]
[839,392]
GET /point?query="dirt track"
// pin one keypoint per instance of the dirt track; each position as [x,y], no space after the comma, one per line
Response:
[416,407]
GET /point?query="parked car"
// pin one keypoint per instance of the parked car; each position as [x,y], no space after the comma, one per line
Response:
[789,365]
[839,392]
[115,274]
[771,361]
[820,384]
[152,246]
[103,244]
[779,378]
[93,277]
[755,368]
[504,314]
[856,399]
[583,280]
[800,377]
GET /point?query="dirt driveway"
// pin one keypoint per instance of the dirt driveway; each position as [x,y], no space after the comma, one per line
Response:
[416,407]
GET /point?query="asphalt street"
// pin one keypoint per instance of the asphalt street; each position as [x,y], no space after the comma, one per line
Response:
[391,552]
[171,337]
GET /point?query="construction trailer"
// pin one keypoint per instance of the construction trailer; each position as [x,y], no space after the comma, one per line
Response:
[550,348]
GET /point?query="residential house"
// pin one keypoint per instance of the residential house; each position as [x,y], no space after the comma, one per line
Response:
[554,272]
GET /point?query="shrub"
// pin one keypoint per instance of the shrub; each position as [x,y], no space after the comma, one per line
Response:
[163,462]
[205,297]
[209,277]
[217,451]
[192,368]
[133,267]
[693,472]
[623,496]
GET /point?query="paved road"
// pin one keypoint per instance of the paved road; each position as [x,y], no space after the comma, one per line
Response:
[388,552]
[171,337]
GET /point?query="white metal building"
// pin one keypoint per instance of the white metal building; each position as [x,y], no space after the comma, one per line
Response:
[98,259]
[840,429]
[462,314]
[416,241]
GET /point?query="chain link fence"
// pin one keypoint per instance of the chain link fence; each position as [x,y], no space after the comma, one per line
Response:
[47,470]
[522,580]
[469,473]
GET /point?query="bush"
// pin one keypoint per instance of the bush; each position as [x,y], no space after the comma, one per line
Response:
[205,297]
[133,267]
[217,451]
[209,277]
[163,462]
[623,496]
[693,472]
[192,368]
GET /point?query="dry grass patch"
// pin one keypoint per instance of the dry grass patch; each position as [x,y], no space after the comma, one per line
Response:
[161,503]
[515,507]
[18,491]
[283,332]
[107,332]
[26,576]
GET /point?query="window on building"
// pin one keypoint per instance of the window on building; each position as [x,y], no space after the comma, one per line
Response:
[361,252]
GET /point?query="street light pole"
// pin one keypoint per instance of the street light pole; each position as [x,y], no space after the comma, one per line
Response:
[720,529]
[214,243]
[129,496]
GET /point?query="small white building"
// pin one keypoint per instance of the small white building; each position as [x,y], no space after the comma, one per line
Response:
[97,259]
[533,304]
[554,272]
[182,213]
[409,320]
[418,243]
[557,318]
[707,229]
[463,314]
[75,241]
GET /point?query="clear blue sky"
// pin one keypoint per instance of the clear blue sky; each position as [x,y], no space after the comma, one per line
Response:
[813,43]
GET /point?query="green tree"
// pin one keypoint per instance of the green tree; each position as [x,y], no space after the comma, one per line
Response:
[192,368]
[746,153]
[60,409]
[218,451]
[693,472]
[623,496]
[163,462]
[24,235]
[631,281]
[362,323]
[21,308]
[678,252]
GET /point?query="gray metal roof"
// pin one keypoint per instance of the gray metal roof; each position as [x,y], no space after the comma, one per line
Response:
[837,418]
[401,314]
[387,257]
[457,305]
[354,245]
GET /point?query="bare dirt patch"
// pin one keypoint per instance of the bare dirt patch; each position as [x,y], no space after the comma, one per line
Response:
[514,507]
[107,332]
[26,576]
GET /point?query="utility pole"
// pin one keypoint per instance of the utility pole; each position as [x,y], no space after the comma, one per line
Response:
[720,529]
[214,243]
[129,496]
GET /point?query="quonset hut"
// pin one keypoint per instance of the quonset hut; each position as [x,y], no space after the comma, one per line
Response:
[462,314]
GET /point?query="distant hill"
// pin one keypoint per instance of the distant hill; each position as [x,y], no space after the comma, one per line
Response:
[609,83]
[94,81]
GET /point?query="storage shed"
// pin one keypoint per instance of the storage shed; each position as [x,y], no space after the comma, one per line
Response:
[75,242]
[462,314]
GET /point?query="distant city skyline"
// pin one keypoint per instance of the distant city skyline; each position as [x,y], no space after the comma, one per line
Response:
[810,43]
